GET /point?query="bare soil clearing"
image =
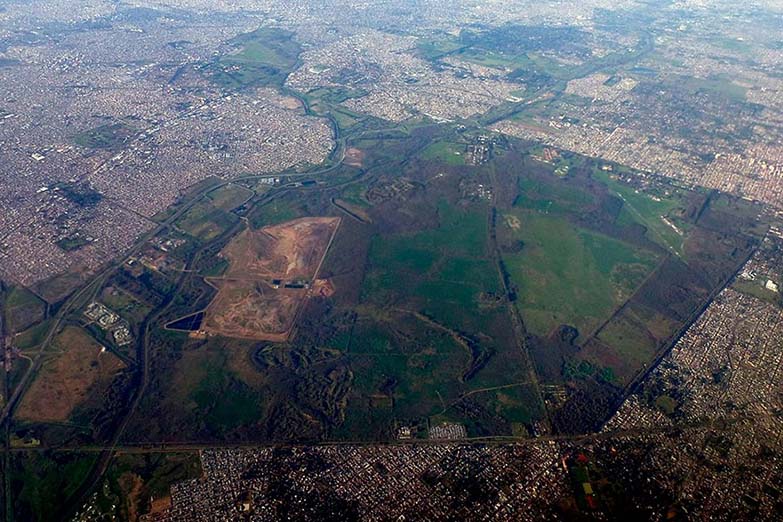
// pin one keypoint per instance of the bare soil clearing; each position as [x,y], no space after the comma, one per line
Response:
[272,271]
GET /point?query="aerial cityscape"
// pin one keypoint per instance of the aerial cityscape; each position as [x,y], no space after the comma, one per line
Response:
[399,260]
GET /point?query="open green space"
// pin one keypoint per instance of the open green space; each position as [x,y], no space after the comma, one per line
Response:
[436,46]
[33,336]
[110,136]
[71,243]
[22,309]
[445,270]
[334,95]
[570,275]
[757,288]
[126,304]
[263,57]
[446,278]
[275,212]
[657,212]
[446,152]
[205,222]
[208,392]
[717,85]
[229,197]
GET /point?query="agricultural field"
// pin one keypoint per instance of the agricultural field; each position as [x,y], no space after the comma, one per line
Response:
[76,368]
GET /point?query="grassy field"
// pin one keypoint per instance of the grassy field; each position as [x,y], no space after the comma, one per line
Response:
[443,271]
[402,370]
[567,275]
[125,304]
[205,222]
[33,336]
[758,289]
[551,197]
[22,309]
[651,211]
[229,197]
[262,57]
[445,279]
[273,213]
[498,60]
[207,392]
[446,152]
[437,46]
[109,136]
[629,347]
[77,367]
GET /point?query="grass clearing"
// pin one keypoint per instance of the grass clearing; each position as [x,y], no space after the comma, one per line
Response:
[445,279]
[23,309]
[441,269]
[653,211]
[229,197]
[205,222]
[273,213]
[446,152]
[77,367]
[568,275]
[263,57]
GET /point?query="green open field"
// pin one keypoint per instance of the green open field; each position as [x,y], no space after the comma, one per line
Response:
[650,210]
[205,222]
[109,136]
[22,309]
[758,289]
[207,392]
[446,152]
[229,196]
[437,46]
[494,59]
[444,271]
[273,213]
[125,304]
[33,336]
[262,57]
[569,275]
[445,279]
